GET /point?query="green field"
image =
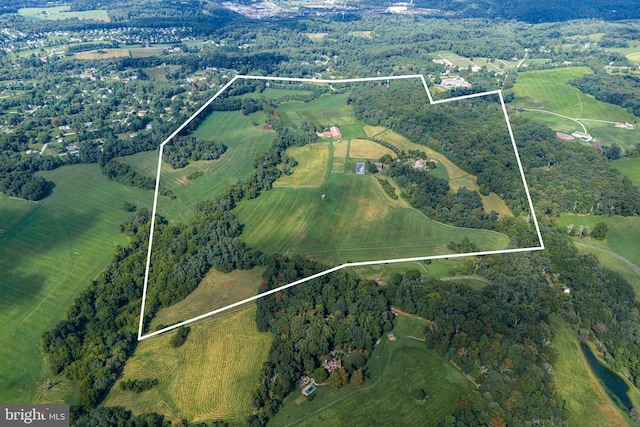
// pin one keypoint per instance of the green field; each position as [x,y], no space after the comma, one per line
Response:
[244,140]
[282,93]
[216,290]
[62,12]
[49,251]
[355,222]
[622,240]
[587,404]
[623,237]
[396,369]
[210,377]
[328,110]
[630,167]
[549,90]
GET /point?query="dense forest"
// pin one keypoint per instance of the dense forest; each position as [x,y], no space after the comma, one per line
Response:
[472,133]
[337,312]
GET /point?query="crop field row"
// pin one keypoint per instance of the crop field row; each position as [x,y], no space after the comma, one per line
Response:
[210,377]
[396,368]
[312,159]
[63,242]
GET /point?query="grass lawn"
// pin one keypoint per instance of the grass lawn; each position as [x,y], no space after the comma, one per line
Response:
[396,368]
[586,402]
[244,141]
[356,222]
[49,252]
[209,377]
[103,54]
[549,90]
[630,167]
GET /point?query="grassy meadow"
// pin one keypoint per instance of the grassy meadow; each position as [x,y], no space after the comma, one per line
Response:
[49,251]
[586,401]
[216,290]
[62,12]
[549,90]
[623,236]
[356,221]
[396,368]
[630,167]
[244,138]
[210,377]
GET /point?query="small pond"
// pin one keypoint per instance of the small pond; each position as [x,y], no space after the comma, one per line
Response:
[613,383]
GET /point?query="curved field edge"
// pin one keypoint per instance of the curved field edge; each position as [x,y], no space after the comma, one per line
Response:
[586,402]
[49,252]
[210,377]
[354,222]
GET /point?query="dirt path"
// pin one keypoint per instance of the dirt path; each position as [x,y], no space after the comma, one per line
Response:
[613,254]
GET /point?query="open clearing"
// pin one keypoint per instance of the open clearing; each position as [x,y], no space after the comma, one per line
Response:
[623,236]
[630,167]
[549,90]
[586,402]
[244,141]
[365,149]
[355,222]
[209,377]
[49,252]
[312,159]
[216,290]
[63,12]
[104,53]
[396,369]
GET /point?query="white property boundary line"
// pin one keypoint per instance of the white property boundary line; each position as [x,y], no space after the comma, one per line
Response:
[350,264]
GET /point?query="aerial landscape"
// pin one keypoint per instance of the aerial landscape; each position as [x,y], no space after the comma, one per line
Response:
[310,213]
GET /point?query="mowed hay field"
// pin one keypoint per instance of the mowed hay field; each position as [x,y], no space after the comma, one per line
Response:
[396,369]
[355,222]
[211,376]
[365,149]
[49,252]
[216,290]
[328,110]
[457,177]
[244,141]
[311,168]
[549,90]
[587,404]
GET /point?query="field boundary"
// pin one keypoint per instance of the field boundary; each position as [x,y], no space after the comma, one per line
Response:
[142,336]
